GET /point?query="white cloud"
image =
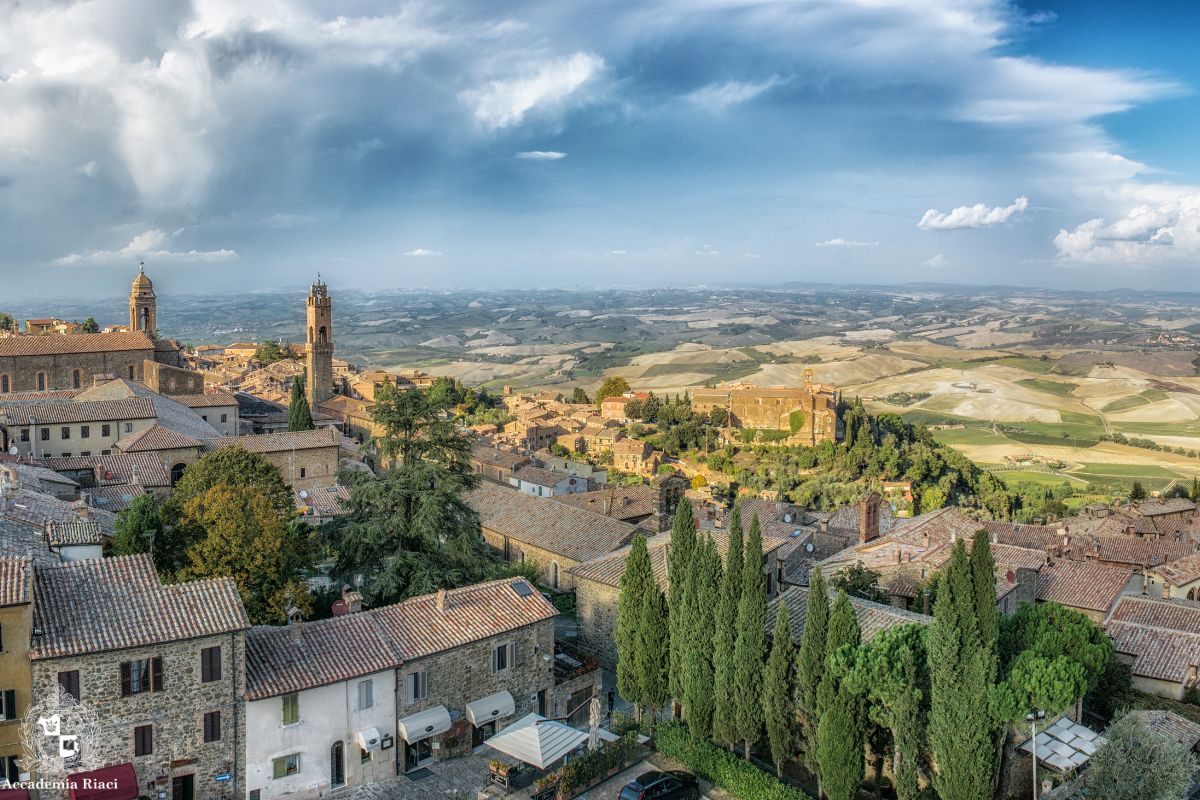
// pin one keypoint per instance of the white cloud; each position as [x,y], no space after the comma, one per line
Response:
[752,255]
[1163,226]
[977,216]
[420,251]
[707,253]
[541,155]
[90,169]
[843,243]
[719,96]
[937,261]
[147,246]
[502,103]
[617,252]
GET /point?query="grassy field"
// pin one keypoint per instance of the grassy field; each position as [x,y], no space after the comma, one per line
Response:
[1042,478]
[1057,388]
[1072,370]
[936,418]
[1123,484]
[1057,429]
[1076,418]
[1155,395]
[1159,428]
[1124,403]
[968,436]
[1128,470]
[1055,441]
[1027,364]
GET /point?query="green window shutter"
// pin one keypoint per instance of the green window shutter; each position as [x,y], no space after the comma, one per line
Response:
[279,768]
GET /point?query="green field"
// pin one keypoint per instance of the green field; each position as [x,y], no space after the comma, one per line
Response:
[1072,370]
[1123,403]
[1129,470]
[968,436]
[1159,428]
[1057,429]
[1052,441]
[919,415]
[1057,388]
[1043,478]
[1123,484]
[1076,418]
[1155,395]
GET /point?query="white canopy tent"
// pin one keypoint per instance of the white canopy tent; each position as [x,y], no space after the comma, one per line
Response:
[537,740]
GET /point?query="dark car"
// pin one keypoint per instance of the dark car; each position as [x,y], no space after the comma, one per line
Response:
[673,785]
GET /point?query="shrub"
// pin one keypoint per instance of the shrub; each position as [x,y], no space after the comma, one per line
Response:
[796,421]
[726,770]
[747,435]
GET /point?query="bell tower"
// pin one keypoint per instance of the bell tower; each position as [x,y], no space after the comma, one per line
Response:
[141,304]
[319,383]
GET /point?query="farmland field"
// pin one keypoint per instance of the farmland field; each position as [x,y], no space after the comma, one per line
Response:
[1133,470]
[1058,388]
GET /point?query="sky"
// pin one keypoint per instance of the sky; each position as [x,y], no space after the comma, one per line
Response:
[237,145]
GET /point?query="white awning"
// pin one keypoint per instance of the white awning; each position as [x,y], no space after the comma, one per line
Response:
[423,724]
[537,741]
[493,707]
[369,739]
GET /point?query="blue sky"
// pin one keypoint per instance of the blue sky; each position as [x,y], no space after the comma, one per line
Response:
[242,144]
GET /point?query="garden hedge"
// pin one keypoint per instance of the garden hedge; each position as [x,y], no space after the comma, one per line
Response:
[732,773]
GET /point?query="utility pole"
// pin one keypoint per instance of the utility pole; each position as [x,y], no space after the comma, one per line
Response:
[1032,718]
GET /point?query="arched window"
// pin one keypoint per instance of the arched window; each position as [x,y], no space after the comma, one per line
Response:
[337,764]
[324,334]
[76,379]
[554,574]
[310,333]
[41,381]
[1191,594]
[177,473]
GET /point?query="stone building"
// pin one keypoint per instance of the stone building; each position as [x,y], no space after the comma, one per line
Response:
[808,411]
[319,382]
[495,464]
[305,458]
[16,690]
[142,305]
[79,428]
[162,667]
[1160,640]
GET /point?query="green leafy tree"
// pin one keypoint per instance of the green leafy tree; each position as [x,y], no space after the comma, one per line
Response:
[7,321]
[751,641]
[679,559]
[653,656]
[614,386]
[636,582]
[1135,763]
[841,730]
[810,664]
[932,499]
[579,396]
[858,581]
[725,729]
[718,416]
[1051,656]
[1112,689]
[269,353]
[89,325]
[1137,492]
[299,413]
[779,702]
[137,527]
[704,583]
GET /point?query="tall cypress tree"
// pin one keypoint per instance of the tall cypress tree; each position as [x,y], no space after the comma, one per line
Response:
[679,560]
[961,728]
[704,584]
[751,641]
[983,580]
[810,665]
[653,658]
[737,546]
[779,692]
[725,731]
[841,730]
[635,585]
[299,414]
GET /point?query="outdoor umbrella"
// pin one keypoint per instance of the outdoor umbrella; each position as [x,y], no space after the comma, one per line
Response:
[594,725]
[537,741]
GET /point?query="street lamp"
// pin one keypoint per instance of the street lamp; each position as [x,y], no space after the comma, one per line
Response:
[1032,718]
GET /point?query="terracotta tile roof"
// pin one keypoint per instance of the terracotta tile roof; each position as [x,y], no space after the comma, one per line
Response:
[632,447]
[20,539]
[79,411]
[473,613]
[33,474]
[1160,654]
[324,502]
[609,569]
[75,532]
[872,617]
[277,442]
[11,398]
[165,346]
[329,651]
[540,522]
[1171,614]
[1134,551]
[939,525]
[168,412]
[118,603]
[538,476]
[16,581]
[1035,537]
[1181,571]
[151,471]
[205,400]
[627,502]
[115,498]
[156,437]
[36,509]
[76,343]
[1075,584]
[1180,529]
[1171,725]
[1167,505]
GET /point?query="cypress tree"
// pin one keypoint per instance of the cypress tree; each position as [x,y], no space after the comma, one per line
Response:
[725,638]
[840,730]
[735,557]
[961,728]
[654,651]
[751,641]
[810,664]
[704,587]
[635,585]
[778,694]
[983,580]
[299,414]
[679,560]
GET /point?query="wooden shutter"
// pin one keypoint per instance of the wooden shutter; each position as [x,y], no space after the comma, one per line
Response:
[126,680]
[143,740]
[214,663]
[279,768]
[495,659]
[410,687]
[512,655]
[424,684]
[205,662]
[212,726]
[156,675]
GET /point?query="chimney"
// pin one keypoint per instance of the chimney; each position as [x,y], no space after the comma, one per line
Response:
[825,525]
[995,536]
[135,475]
[293,623]
[925,539]
[1166,591]
[953,536]
[441,601]
[908,557]
[899,556]
[83,512]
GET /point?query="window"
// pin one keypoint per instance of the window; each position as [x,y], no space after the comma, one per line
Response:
[143,675]
[10,710]
[502,658]
[366,693]
[131,372]
[41,380]
[223,417]
[171,384]
[4,383]
[416,686]
[24,434]
[65,455]
[10,769]
[106,452]
[210,664]
[212,726]
[302,472]
[106,430]
[129,427]
[288,765]
[85,431]
[66,431]
[85,453]
[45,434]
[69,682]
[256,794]
[291,708]
[143,740]
[76,379]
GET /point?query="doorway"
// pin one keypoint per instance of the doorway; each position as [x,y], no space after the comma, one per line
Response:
[481,733]
[182,787]
[337,764]
[418,755]
[579,707]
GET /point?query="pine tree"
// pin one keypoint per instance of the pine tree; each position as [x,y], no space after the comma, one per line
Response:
[751,641]
[679,560]
[635,585]
[299,414]
[961,728]
[137,527]
[725,638]
[779,702]
[841,730]
[653,658]
[704,584]
[810,663]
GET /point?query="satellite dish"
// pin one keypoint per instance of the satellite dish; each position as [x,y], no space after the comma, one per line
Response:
[787,517]
[303,494]
[808,547]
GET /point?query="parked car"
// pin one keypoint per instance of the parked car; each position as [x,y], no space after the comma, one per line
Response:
[672,785]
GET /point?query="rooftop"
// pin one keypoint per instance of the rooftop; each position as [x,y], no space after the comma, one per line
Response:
[156,437]
[118,468]
[219,400]
[1076,584]
[277,442]
[76,343]
[16,581]
[872,617]
[79,411]
[169,413]
[539,477]
[621,502]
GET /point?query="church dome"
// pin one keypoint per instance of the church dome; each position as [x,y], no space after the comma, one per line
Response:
[142,282]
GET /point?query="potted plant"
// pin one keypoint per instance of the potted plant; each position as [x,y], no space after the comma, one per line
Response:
[545,786]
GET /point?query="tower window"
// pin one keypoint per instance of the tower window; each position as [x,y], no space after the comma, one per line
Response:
[76,379]
[4,384]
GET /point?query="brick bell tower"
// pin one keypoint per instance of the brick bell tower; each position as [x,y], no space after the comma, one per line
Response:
[141,304]
[319,383]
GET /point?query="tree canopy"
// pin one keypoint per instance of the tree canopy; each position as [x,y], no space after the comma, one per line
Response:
[299,412]
[138,527]
[270,352]
[1135,763]
[613,386]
